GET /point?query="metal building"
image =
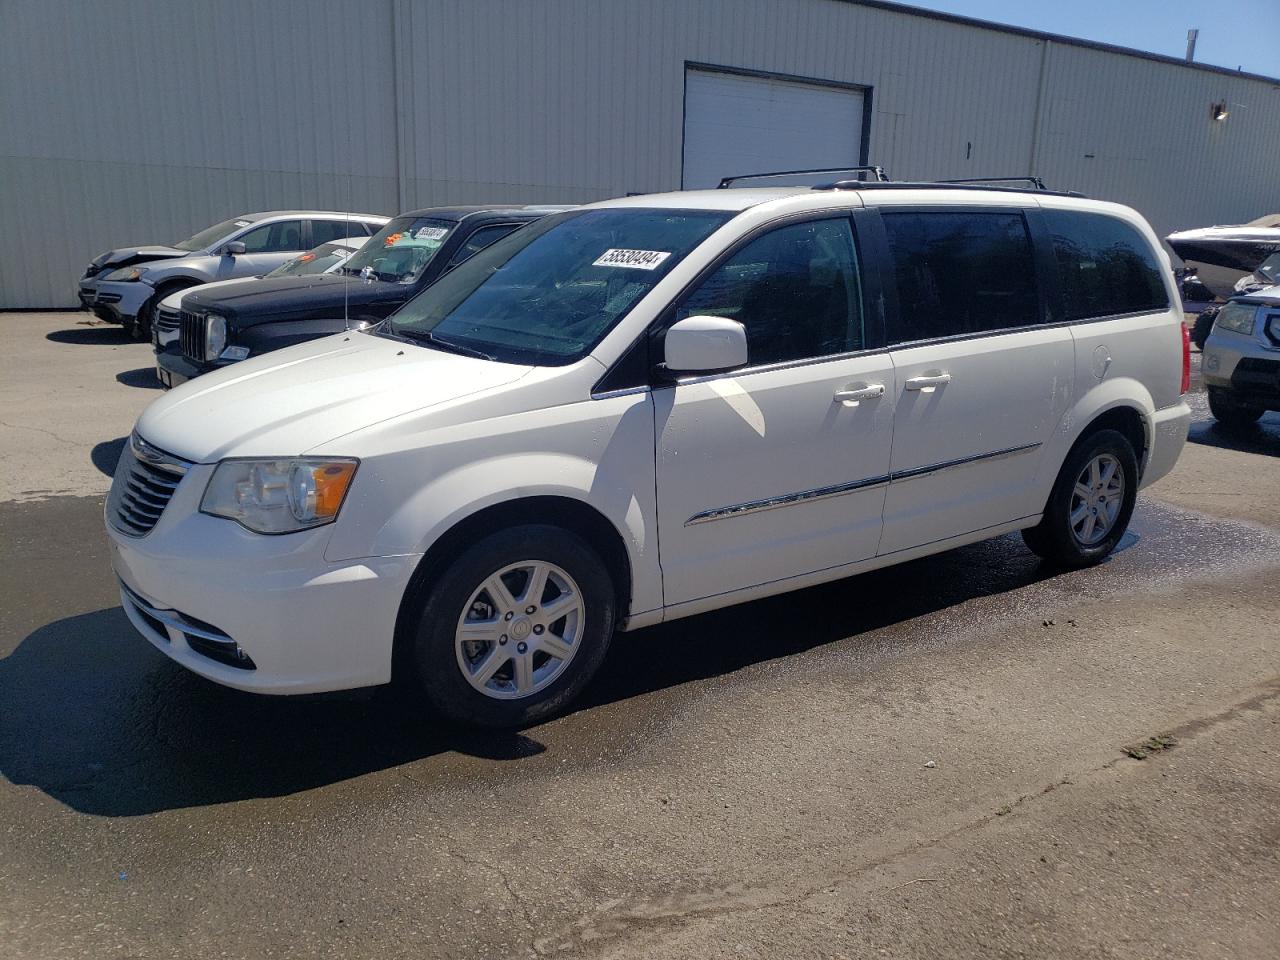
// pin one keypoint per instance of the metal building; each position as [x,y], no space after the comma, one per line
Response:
[128,121]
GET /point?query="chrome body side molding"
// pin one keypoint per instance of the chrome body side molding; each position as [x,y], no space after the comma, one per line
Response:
[820,493]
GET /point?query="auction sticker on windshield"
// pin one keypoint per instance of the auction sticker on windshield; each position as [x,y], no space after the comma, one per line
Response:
[431,233]
[633,259]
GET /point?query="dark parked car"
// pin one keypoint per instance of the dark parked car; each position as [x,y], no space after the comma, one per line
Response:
[221,327]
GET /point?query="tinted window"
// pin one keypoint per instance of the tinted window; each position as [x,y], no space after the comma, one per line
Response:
[326,231]
[550,291]
[961,273]
[1105,264]
[481,239]
[273,237]
[796,290]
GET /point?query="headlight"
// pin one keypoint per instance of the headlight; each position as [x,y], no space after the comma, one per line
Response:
[1237,317]
[279,496]
[215,335]
[127,274]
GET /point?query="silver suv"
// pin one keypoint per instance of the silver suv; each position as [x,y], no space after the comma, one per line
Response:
[126,285]
[1241,367]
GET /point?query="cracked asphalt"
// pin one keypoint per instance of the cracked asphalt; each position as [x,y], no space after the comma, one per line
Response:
[926,761]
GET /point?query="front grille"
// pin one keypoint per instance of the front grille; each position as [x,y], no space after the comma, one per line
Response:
[108,298]
[168,319]
[193,335]
[144,483]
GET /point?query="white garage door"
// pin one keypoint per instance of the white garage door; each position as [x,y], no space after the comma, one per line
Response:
[736,124]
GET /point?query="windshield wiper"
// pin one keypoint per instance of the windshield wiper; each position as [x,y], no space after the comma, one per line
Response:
[448,346]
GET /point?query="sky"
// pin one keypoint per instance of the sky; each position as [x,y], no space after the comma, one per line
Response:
[1233,33]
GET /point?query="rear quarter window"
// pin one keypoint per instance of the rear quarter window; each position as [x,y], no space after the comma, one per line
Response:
[1106,266]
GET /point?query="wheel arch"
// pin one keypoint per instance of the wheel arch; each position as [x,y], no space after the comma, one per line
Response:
[573,515]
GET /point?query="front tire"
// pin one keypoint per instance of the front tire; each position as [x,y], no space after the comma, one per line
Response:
[1229,413]
[1091,503]
[514,628]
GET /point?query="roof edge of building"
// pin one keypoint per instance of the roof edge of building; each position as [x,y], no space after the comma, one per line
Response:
[909,10]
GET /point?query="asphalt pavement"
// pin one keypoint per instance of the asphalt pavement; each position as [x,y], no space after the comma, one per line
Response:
[935,760]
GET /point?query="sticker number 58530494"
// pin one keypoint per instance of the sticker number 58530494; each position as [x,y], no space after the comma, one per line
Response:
[634,259]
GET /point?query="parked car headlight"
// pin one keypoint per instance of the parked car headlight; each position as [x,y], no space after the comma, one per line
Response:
[127,274]
[279,496]
[215,335]
[1237,317]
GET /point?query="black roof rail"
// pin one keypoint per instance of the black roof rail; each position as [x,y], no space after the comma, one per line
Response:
[1033,181]
[880,175]
[939,185]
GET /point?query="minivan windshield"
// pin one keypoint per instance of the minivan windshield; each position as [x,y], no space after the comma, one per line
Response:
[549,292]
[211,235]
[401,250]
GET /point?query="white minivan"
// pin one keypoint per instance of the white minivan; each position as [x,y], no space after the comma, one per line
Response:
[644,409]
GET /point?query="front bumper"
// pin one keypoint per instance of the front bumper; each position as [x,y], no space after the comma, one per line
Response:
[173,368]
[1244,366]
[201,588]
[104,308]
[124,300]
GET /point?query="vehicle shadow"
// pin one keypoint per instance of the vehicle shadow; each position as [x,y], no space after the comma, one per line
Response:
[93,716]
[144,377]
[1262,437]
[106,455]
[105,335]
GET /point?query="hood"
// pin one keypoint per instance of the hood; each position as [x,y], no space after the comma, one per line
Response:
[128,256]
[174,300]
[285,403]
[283,298]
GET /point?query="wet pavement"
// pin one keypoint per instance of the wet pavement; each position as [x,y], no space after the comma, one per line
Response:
[860,767]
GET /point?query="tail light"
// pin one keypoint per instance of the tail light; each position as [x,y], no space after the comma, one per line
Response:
[1186,358]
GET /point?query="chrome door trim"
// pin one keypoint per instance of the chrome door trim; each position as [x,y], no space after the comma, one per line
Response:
[821,493]
[962,461]
[755,506]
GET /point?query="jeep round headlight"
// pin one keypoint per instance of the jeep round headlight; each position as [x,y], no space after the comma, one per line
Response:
[1237,317]
[279,496]
[127,274]
[215,335]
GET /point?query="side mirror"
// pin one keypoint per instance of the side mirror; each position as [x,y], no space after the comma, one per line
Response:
[233,248]
[705,345]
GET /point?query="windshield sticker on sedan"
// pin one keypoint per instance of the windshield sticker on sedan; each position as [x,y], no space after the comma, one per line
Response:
[632,259]
[243,223]
[431,233]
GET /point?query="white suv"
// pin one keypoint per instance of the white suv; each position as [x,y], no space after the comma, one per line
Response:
[645,409]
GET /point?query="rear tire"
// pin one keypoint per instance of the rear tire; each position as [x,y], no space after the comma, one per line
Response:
[491,648]
[1229,413]
[1091,502]
[1203,327]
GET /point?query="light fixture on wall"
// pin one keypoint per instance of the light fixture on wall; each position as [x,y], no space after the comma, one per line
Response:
[1220,111]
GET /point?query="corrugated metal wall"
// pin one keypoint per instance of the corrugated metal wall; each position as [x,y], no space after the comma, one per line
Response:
[128,121]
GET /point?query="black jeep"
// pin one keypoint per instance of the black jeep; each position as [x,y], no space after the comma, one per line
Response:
[399,261]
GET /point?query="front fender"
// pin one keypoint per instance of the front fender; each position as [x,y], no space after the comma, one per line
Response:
[598,453]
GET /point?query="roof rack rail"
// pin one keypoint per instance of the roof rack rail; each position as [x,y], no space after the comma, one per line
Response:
[939,185]
[880,175]
[1033,181]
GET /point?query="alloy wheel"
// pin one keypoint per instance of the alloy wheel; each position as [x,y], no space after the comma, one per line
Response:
[520,630]
[1096,499]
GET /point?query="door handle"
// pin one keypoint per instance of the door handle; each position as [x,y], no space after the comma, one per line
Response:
[927,384]
[852,395]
